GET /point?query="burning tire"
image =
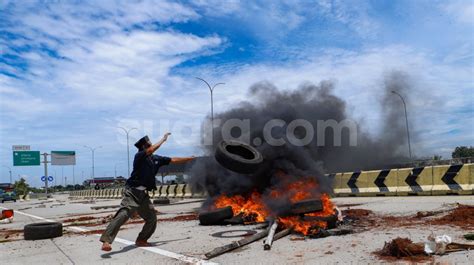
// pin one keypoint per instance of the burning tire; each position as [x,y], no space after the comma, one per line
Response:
[42,231]
[238,157]
[306,206]
[215,217]
[331,220]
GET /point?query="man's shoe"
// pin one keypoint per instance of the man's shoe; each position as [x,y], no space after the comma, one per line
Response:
[106,246]
[142,243]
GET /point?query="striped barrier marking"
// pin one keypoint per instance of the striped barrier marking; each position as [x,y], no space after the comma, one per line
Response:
[180,190]
[454,179]
[172,190]
[380,180]
[352,182]
[347,184]
[411,179]
[449,176]
[164,191]
[415,181]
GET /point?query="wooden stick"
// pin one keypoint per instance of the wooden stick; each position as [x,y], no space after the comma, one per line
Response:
[268,242]
[236,244]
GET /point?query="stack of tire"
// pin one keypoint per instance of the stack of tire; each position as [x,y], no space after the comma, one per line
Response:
[238,157]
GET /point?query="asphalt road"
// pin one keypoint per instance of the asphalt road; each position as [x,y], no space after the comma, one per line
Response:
[184,242]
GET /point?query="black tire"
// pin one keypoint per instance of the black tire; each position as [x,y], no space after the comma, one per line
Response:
[306,206]
[331,220]
[215,217]
[238,157]
[161,201]
[43,230]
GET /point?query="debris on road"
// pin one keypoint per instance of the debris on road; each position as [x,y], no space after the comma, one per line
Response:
[405,249]
[185,217]
[56,204]
[80,219]
[7,235]
[267,243]
[437,245]
[7,216]
[236,244]
[461,216]
[469,236]
[92,201]
[105,207]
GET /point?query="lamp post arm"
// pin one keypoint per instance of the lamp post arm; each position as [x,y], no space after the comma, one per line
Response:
[209,86]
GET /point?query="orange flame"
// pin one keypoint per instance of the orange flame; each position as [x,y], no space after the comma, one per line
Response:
[253,208]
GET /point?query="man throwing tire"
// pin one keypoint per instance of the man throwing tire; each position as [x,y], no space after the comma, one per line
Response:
[135,196]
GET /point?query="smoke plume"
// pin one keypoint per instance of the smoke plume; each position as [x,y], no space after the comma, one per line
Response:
[311,103]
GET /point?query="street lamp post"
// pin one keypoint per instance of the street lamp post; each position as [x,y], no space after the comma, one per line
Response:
[93,151]
[211,89]
[406,120]
[115,169]
[10,171]
[127,132]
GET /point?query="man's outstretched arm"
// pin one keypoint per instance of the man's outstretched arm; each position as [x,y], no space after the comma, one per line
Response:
[150,150]
[181,160]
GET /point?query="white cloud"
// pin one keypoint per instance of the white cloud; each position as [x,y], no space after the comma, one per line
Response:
[354,15]
[461,10]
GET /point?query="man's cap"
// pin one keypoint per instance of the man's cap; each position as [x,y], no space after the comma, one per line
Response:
[142,141]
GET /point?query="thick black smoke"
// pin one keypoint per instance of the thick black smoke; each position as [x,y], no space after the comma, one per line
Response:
[312,103]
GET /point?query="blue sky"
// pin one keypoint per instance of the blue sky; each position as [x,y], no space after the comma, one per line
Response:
[72,71]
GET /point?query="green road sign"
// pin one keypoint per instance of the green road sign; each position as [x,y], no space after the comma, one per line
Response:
[63,158]
[26,158]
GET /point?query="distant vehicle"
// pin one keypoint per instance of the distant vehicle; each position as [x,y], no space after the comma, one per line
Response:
[7,193]
[7,196]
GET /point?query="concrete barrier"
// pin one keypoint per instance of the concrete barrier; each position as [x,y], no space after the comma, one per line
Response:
[115,193]
[172,190]
[112,193]
[351,183]
[188,192]
[430,180]
[164,191]
[451,180]
[382,182]
[158,192]
[471,177]
[336,183]
[414,181]
[180,190]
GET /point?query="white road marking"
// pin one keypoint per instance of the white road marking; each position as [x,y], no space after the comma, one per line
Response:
[155,250]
